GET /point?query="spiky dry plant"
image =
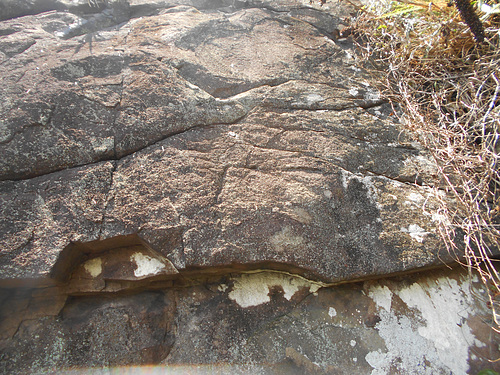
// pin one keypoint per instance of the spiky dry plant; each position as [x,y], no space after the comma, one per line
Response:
[470,17]
[448,86]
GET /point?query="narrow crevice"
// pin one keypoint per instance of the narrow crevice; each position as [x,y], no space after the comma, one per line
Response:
[180,132]
[364,171]
[416,181]
[329,132]
[306,48]
[109,198]
[220,183]
[274,138]
[150,145]
[334,108]
[115,116]
[303,169]
[20,324]
[272,83]
[192,277]
[371,104]
[279,81]
[20,77]
[227,87]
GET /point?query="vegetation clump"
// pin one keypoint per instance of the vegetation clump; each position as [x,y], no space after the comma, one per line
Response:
[441,65]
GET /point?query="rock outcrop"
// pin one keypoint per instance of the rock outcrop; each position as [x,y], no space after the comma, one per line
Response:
[188,182]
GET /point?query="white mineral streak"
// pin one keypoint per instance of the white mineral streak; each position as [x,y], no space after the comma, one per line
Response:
[146,265]
[233,134]
[353,91]
[382,296]
[253,289]
[416,232]
[222,288]
[372,95]
[437,335]
[314,98]
[332,312]
[416,198]
[93,266]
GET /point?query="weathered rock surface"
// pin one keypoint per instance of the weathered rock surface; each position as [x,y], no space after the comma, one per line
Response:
[153,149]
[220,138]
[259,323]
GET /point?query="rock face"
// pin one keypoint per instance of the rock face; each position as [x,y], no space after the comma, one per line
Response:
[218,138]
[259,323]
[185,182]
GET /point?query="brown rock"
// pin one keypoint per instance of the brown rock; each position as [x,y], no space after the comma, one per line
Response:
[184,182]
[237,160]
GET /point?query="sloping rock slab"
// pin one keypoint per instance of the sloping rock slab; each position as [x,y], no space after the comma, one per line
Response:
[230,140]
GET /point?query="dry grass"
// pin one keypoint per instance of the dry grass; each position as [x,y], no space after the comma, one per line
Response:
[449,89]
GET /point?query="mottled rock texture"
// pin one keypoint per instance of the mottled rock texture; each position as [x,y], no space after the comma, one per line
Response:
[254,323]
[220,137]
[153,149]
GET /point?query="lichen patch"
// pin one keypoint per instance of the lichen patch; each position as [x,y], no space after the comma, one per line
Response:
[93,266]
[416,232]
[439,333]
[146,265]
[253,289]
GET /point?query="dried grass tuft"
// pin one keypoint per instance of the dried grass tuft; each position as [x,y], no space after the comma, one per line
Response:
[448,86]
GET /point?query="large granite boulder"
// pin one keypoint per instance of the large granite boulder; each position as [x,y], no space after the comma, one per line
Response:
[159,156]
[218,138]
